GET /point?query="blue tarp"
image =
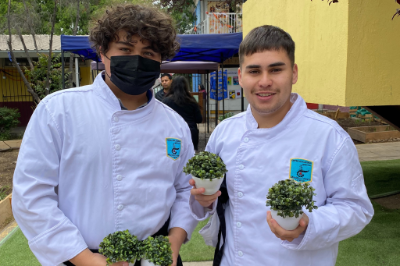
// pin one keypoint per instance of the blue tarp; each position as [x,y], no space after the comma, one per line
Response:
[78,45]
[194,47]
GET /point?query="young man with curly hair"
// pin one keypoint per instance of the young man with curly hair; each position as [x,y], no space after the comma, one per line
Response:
[107,157]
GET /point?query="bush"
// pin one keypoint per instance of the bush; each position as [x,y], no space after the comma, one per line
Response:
[205,165]
[288,196]
[8,120]
[121,246]
[158,250]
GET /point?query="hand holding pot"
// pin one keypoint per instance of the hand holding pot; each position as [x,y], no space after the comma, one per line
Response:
[288,235]
[204,200]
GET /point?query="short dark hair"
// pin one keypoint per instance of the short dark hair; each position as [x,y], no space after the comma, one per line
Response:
[266,37]
[149,23]
[166,75]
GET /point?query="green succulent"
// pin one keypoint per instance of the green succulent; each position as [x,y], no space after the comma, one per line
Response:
[121,246]
[205,165]
[225,116]
[158,250]
[287,197]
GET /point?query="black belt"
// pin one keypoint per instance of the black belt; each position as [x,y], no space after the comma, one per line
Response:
[222,200]
[162,232]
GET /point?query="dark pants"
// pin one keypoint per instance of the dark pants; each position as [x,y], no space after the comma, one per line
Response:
[162,232]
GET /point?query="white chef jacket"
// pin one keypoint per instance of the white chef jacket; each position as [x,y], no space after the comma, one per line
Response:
[86,169]
[258,158]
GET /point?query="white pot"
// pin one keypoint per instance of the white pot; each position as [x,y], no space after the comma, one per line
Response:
[288,223]
[211,186]
[145,262]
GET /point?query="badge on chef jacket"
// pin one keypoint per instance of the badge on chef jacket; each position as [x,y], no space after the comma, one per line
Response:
[301,170]
[173,148]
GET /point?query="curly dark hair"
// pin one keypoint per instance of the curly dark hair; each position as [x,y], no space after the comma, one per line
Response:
[149,23]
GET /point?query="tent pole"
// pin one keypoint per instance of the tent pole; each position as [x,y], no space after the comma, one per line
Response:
[223,86]
[216,100]
[208,103]
[76,72]
[62,69]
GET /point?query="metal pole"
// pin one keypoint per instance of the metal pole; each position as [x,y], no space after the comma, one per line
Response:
[242,100]
[76,72]
[216,101]
[62,69]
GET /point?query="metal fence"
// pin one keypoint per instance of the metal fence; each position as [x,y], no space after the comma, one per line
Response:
[12,88]
[217,23]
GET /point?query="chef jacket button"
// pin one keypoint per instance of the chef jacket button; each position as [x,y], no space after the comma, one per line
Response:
[120,207]
[246,140]
[119,177]
[240,253]
[241,167]
[239,224]
[116,119]
[117,147]
[240,194]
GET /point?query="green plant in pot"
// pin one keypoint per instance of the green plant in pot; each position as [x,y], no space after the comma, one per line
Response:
[121,246]
[287,198]
[207,170]
[157,251]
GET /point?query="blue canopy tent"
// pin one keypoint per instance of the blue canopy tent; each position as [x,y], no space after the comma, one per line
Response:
[194,47]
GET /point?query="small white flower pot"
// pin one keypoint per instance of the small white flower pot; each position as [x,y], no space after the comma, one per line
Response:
[211,186]
[287,223]
[145,262]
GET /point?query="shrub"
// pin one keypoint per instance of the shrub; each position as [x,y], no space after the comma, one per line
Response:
[205,165]
[158,250]
[288,196]
[121,246]
[225,116]
[8,120]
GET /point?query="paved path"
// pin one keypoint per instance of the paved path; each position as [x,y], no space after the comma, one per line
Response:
[201,263]
[10,144]
[379,151]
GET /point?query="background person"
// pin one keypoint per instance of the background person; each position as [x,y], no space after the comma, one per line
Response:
[166,80]
[180,100]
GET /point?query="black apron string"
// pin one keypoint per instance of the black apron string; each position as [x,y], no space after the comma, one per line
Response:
[222,200]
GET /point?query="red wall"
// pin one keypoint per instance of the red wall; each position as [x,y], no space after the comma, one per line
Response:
[25,109]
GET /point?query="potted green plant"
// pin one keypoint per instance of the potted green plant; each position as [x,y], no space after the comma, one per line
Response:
[156,251]
[287,198]
[207,170]
[121,246]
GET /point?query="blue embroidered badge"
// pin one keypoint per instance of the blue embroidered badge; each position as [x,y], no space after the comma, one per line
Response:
[301,170]
[173,148]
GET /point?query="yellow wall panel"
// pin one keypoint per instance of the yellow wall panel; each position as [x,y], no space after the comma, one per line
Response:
[346,51]
[374,56]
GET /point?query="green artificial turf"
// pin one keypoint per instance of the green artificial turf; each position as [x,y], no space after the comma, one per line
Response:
[196,249]
[15,251]
[377,244]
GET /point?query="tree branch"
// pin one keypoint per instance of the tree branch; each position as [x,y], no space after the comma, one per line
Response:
[25,49]
[49,60]
[28,21]
[14,60]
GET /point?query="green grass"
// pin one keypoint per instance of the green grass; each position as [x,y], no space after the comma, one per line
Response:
[3,192]
[381,176]
[377,244]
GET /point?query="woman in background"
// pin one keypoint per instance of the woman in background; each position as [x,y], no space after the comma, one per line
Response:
[182,102]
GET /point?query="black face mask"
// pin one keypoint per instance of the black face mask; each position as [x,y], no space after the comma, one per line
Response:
[133,74]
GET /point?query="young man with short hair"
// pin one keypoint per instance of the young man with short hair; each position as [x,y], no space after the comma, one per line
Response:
[166,81]
[266,144]
[107,157]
